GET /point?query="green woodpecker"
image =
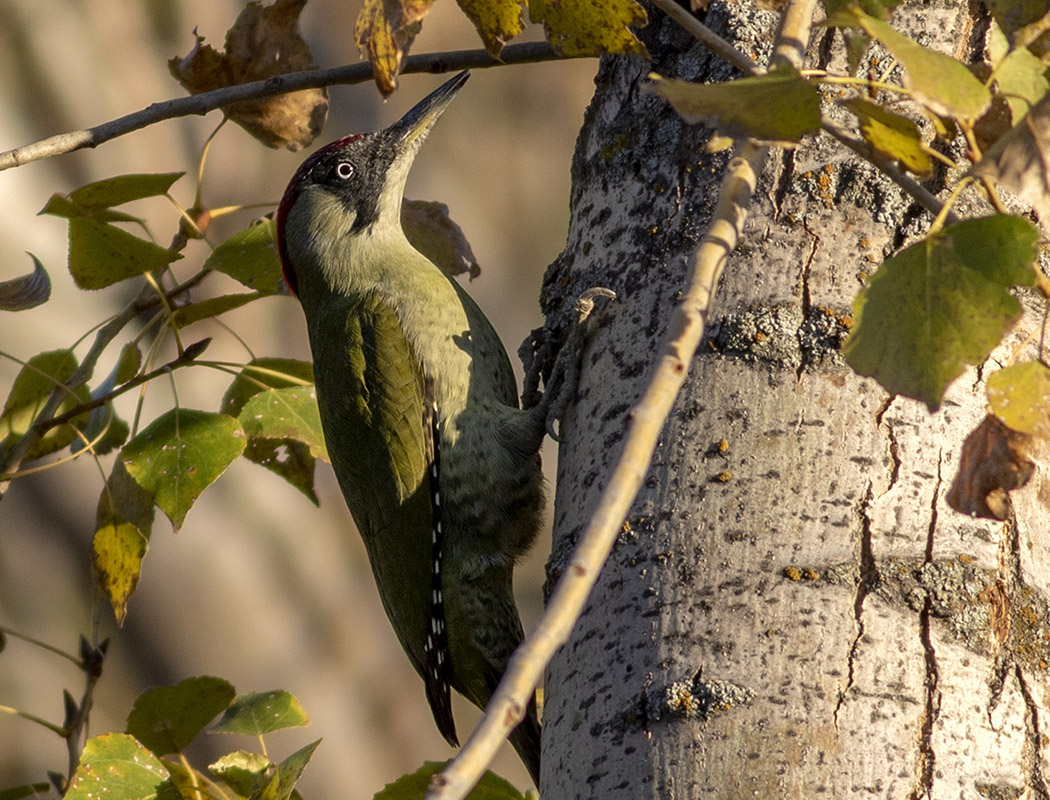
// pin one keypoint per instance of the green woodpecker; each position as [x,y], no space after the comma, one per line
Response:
[419,406]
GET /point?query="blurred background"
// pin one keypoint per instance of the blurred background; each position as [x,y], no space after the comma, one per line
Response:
[259,587]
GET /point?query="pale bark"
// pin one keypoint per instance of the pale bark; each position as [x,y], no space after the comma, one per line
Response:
[792,609]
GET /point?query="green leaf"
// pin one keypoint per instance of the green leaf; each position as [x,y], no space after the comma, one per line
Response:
[1012,15]
[191,784]
[101,254]
[894,136]
[104,431]
[27,291]
[880,9]
[29,393]
[941,304]
[591,27]
[246,773]
[180,454]
[1021,77]
[780,106]
[497,21]
[122,189]
[251,257]
[212,307]
[938,81]
[128,363]
[289,413]
[61,206]
[290,458]
[167,718]
[257,713]
[261,374]
[117,767]
[288,773]
[414,786]
[1020,397]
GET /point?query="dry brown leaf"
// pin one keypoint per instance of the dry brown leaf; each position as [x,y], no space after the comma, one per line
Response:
[993,463]
[1020,160]
[385,31]
[432,232]
[27,291]
[263,42]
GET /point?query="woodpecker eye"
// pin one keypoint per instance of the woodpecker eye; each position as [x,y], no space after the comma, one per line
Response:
[344,170]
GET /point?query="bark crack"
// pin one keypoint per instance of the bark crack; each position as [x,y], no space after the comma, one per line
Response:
[1033,745]
[925,766]
[805,299]
[867,581]
[895,452]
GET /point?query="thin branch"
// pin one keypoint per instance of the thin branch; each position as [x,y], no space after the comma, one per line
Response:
[887,167]
[526,53]
[106,334]
[12,458]
[646,423]
[184,359]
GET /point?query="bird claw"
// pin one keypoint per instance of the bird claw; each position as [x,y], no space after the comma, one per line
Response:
[561,388]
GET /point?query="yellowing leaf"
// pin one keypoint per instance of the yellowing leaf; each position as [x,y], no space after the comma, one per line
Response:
[263,42]
[591,27]
[780,106]
[115,765]
[892,135]
[497,21]
[124,521]
[385,30]
[1020,397]
[117,552]
[941,83]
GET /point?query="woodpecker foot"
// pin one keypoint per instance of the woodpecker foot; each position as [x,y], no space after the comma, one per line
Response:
[565,376]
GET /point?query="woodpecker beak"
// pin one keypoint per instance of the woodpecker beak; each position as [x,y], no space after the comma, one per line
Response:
[412,128]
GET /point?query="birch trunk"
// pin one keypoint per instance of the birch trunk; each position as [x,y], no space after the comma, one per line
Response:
[791,609]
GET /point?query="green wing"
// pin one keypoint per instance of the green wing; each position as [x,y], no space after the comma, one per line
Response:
[377,421]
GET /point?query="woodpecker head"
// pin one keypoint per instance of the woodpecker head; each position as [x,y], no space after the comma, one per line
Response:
[353,187]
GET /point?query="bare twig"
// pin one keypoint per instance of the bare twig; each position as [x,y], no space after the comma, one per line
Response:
[527,53]
[646,422]
[11,459]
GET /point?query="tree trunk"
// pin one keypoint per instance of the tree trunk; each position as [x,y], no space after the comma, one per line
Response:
[791,609]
